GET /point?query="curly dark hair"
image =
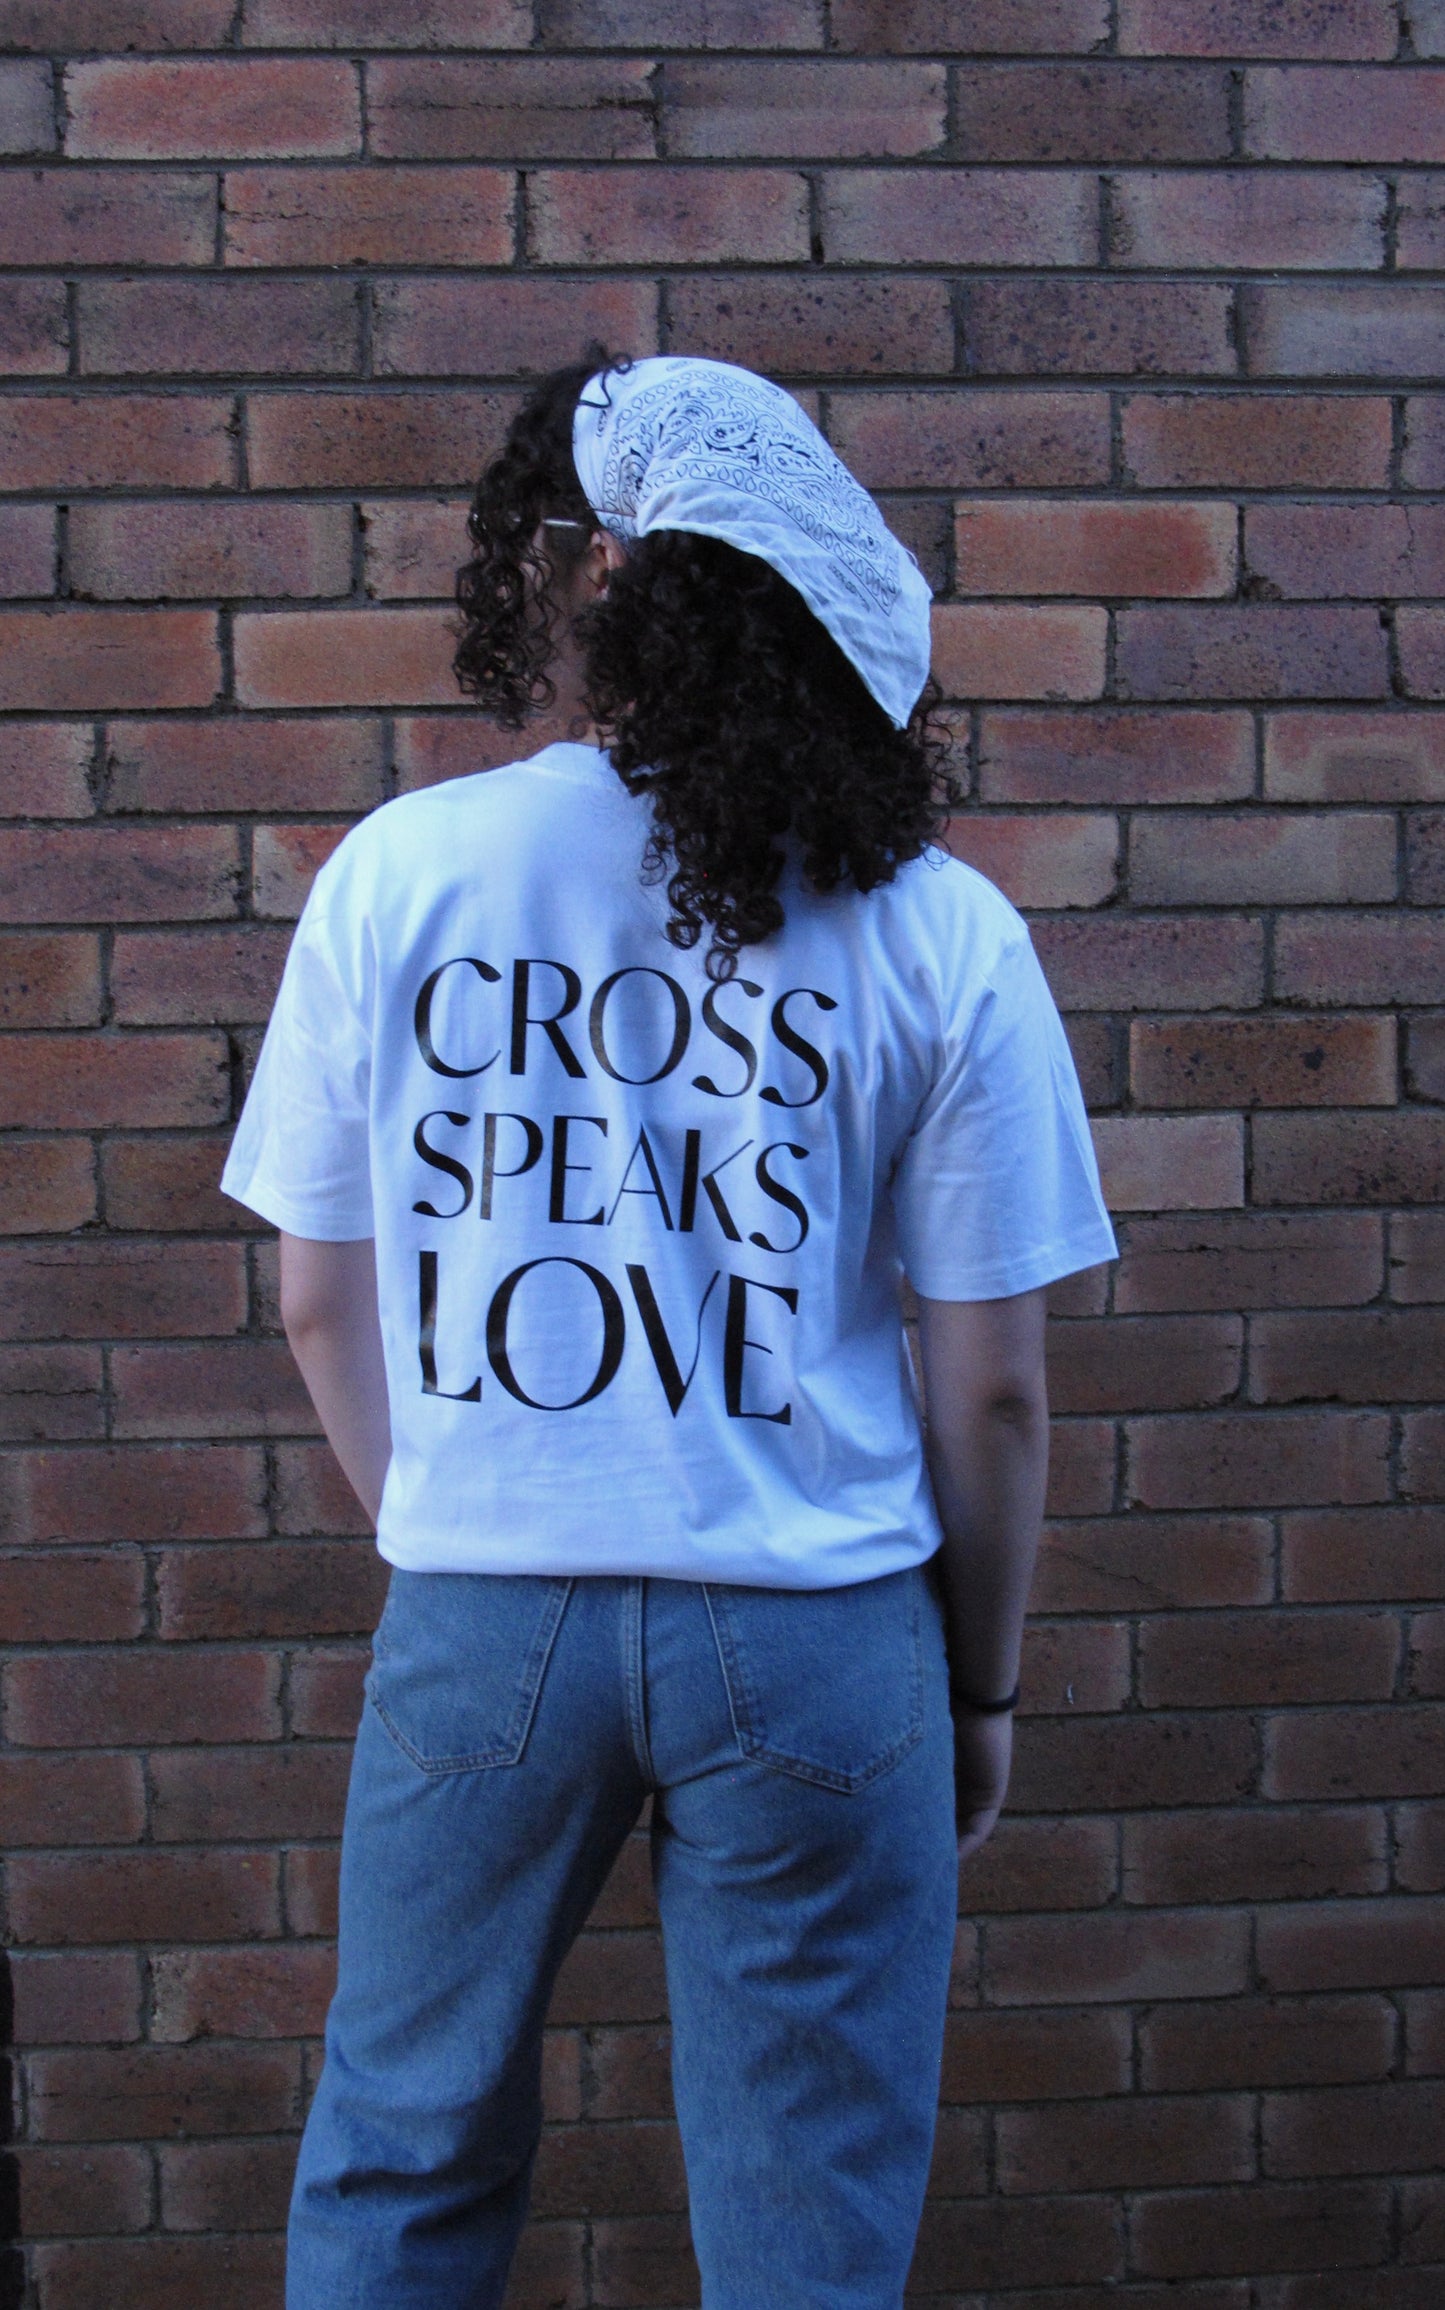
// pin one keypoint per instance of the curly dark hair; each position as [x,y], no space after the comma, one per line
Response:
[718,693]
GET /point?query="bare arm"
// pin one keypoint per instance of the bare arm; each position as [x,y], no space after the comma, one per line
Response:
[988,1446]
[328,1306]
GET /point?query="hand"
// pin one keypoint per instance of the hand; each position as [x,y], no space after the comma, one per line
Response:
[982,1755]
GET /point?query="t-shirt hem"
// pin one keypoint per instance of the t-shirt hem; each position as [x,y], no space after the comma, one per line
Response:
[730,1567]
[326,1225]
[1048,1265]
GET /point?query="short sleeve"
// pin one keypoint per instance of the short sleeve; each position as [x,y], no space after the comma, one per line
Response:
[301,1154]
[996,1189]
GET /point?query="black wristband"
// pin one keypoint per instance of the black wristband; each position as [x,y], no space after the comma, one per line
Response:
[958,1698]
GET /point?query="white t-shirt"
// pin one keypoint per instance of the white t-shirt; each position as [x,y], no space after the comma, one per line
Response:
[638,1238]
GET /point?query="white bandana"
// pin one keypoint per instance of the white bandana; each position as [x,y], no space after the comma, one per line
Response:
[677,443]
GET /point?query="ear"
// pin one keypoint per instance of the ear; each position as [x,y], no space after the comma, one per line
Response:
[604,554]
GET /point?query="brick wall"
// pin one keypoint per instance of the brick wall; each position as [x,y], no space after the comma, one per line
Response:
[1132,311]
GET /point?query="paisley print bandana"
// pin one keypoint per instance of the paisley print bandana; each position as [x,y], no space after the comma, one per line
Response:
[677,443]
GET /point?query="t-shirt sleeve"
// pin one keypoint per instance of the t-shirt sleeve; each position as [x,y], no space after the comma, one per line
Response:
[996,1189]
[301,1154]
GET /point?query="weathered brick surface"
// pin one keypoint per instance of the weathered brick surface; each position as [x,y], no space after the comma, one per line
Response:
[1132,314]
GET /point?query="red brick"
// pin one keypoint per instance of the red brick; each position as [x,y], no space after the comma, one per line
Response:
[1150,1362]
[1339,1555]
[1066,859]
[413,547]
[1427,26]
[386,24]
[1015,651]
[344,657]
[804,322]
[1073,546]
[1263,2041]
[1249,1259]
[1131,2143]
[279,1991]
[109,1290]
[433,747]
[1019,2242]
[1309,112]
[240,764]
[630,2073]
[74,660]
[49,979]
[95,1800]
[627,2169]
[778,110]
[1421,635]
[1075,1666]
[175,2090]
[226,2185]
[1257,650]
[276,1792]
[1425,858]
[1379,1944]
[1109,756]
[217,327]
[1264,1854]
[1129,1563]
[27,108]
[27,551]
[117,874]
[47,1185]
[1262,858]
[1106,1764]
[1247,1660]
[513,108]
[1425,1058]
[1420,1868]
[666,215]
[1095,1053]
[312,1495]
[34,329]
[964,438]
[181,978]
[1101,111]
[306,1589]
[43,768]
[1397,1751]
[85,1997]
[226,108]
[1362,958]
[1343,329]
[1417,1256]
[1050,1864]
[1116,1955]
[1359,757]
[610,1977]
[1314,551]
[1423,463]
[1258,1460]
[970,27]
[1099,328]
[285,860]
[394,215]
[70,2191]
[460,326]
[243,1388]
[1426,1662]
[326,1691]
[146,1697]
[78,1596]
[1354,2129]
[1256,440]
[1334,28]
[1269,1062]
[164,2273]
[681,24]
[362,441]
[107,216]
[1170,1163]
[61,25]
[1125,962]
[1267,2226]
[170,1185]
[135,1081]
[146,1895]
[1420,241]
[1422,1456]
[48,1394]
[1366,1354]
[311,1889]
[1239,220]
[959,216]
[102,441]
[1002,2056]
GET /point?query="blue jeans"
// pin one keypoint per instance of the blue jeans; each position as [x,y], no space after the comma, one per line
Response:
[797,1748]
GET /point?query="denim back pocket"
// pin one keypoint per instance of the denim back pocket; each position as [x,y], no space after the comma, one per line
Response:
[825,1683]
[458,1662]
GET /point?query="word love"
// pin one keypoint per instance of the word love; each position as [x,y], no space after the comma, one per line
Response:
[639,1027]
